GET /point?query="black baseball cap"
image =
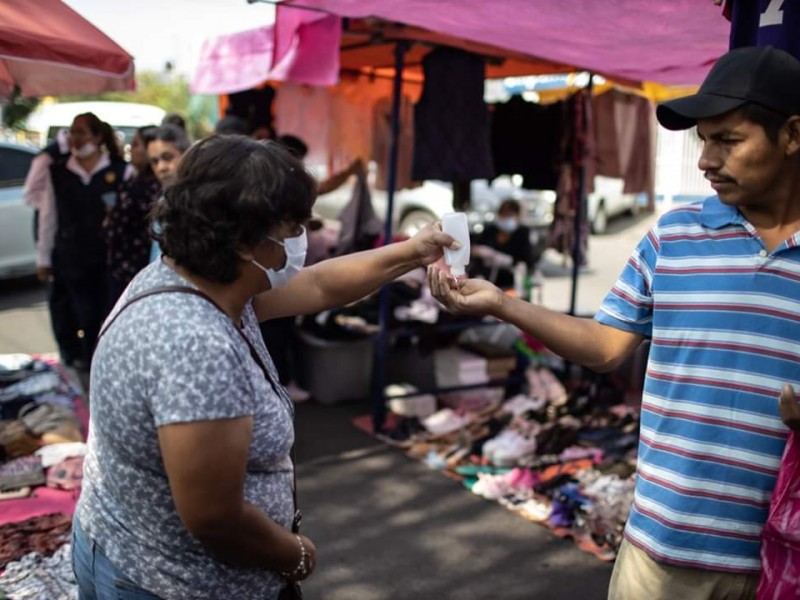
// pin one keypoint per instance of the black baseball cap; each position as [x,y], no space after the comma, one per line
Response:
[760,75]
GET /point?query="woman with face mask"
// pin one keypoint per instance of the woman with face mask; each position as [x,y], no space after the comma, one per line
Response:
[506,236]
[188,481]
[126,228]
[71,245]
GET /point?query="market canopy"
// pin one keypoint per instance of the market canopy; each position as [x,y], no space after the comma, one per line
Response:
[672,43]
[48,48]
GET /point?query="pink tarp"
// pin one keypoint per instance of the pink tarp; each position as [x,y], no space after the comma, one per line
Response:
[666,41]
[47,48]
[235,62]
[308,52]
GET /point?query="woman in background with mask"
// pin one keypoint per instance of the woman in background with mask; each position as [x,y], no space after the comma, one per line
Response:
[507,236]
[127,226]
[188,481]
[71,245]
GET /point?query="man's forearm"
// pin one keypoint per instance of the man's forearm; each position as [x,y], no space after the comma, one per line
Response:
[579,340]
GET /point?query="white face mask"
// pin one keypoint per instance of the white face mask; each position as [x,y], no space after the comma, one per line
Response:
[87,149]
[295,249]
[508,224]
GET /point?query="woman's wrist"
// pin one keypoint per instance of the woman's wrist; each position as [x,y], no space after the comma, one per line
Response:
[301,570]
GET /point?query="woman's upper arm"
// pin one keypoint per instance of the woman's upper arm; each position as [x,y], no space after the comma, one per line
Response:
[206,462]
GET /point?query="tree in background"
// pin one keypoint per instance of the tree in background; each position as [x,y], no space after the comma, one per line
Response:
[168,91]
[17,109]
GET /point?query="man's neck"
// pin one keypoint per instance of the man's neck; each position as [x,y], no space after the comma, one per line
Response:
[779,219]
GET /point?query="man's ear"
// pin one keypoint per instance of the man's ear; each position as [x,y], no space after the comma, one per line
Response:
[792,128]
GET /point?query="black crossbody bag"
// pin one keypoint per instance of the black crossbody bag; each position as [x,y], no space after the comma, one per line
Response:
[292,590]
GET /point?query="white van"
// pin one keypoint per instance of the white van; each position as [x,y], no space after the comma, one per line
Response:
[124,117]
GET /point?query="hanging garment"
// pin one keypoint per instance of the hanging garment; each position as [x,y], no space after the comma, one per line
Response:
[451,120]
[360,225]
[765,23]
[577,160]
[382,139]
[624,139]
[526,140]
[253,105]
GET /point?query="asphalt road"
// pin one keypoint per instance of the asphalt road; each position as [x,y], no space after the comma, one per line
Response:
[386,526]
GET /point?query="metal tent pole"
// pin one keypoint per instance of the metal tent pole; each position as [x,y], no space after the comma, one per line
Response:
[580,209]
[378,399]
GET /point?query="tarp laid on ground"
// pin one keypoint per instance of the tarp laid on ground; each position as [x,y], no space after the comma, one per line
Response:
[46,48]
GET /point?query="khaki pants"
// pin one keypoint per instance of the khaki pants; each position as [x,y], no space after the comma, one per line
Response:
[636,576]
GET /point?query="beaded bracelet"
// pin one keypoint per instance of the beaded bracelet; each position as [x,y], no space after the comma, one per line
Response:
[301,569]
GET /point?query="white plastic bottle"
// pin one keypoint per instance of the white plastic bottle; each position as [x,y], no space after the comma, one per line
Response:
[520,273]
[455,225]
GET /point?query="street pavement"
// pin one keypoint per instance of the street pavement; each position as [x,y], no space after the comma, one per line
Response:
[386,527]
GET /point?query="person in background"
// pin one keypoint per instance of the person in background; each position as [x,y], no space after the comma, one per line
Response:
[38,186]
[280,335]
[127,226]
[715,286]
[507,236]
[165,147]
[187,488]
[175,120]
[263,132]
[230,124]
[71,248]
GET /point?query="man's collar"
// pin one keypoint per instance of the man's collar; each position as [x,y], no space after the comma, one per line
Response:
[716,215]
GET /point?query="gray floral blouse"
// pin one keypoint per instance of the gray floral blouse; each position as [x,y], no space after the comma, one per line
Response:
[175,358]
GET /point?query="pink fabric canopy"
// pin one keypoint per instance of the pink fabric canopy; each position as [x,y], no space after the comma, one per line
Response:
[665,41]
[48,48]
[235,62]
[307,52]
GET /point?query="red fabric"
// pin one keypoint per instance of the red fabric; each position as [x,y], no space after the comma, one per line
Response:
[673,42]
[780,539]
[47,48]
[44,500]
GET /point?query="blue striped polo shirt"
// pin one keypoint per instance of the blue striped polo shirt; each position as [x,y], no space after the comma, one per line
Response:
[724,317]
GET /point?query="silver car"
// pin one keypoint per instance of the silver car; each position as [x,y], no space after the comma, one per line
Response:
[17,249]
[415,208]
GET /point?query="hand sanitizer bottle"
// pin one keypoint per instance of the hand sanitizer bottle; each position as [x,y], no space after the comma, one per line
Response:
[455,225]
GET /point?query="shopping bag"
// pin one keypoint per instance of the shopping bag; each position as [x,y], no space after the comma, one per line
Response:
[780,539]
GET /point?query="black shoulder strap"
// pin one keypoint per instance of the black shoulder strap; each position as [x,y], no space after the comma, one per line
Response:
[184,289]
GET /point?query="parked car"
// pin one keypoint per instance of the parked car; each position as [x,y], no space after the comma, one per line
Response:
[608,201]
[17,249]
[415,208]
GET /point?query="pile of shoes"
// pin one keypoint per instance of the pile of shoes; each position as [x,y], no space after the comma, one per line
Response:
[562,454]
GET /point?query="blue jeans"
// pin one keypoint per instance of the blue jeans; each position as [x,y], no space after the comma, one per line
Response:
[97,578]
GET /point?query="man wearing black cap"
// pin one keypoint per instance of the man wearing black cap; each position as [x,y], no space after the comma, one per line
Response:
[715,286]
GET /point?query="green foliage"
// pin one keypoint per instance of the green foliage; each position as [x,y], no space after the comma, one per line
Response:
[17,110]
[168,91]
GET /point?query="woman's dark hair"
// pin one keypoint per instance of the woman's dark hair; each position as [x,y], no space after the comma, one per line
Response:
[106,133]
[171,134]
[295,145]
[176,120]
[230,193]
[145,133]
[770,120]
[510,204]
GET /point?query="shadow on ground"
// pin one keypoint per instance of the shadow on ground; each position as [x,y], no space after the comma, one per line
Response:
[21,292]
[387,527]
